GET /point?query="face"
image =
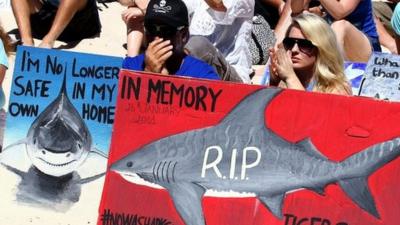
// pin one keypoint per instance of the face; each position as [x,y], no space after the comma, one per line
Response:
[301,51]
[177,36]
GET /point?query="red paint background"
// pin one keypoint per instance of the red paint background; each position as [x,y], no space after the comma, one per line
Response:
[334,124]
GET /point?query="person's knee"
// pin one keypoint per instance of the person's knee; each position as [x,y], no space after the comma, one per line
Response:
[340,25]
[200,47]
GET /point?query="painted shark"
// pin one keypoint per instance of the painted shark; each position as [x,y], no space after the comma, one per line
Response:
[55,158]
[58,140]
[241,154]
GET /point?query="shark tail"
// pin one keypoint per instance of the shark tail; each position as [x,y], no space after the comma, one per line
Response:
[360,165]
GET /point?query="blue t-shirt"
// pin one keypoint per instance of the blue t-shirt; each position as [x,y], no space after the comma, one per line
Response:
[191,67]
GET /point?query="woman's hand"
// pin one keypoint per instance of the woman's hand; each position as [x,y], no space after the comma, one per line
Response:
[282,68]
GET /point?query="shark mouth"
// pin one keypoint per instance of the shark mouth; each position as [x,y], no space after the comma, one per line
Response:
[135,178]
[56,165]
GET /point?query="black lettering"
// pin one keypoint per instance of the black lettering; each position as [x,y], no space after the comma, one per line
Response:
[79,90]
[18,85]
[201,93]
[176,91]
[288,217]
[326,222]
[214,98]
[165,92]
[154,87]
[100,90]
[302,221]
[314,220]
[53,65]
[101,114]
[26,110]
[129,84]
[189,91]
[30,62]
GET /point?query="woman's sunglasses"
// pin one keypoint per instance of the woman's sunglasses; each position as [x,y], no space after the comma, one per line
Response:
[304,45]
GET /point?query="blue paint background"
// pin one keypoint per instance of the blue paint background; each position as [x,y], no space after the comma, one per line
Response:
[17,127]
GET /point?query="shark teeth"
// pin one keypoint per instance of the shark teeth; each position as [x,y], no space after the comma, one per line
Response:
[57,165]
[134,178]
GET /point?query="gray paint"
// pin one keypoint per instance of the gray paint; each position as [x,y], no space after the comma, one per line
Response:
[177,163]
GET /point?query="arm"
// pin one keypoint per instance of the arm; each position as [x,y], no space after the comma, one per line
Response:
[339,9]
[3,70]
[282,68]
[22,10]
[133,17]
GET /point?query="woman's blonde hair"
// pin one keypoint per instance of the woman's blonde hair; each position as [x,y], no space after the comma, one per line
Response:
[329,67]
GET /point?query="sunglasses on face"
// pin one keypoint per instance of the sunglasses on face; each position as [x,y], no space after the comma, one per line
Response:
[304,45]
[162,30]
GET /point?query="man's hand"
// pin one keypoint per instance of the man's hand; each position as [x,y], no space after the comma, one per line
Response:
[156,55]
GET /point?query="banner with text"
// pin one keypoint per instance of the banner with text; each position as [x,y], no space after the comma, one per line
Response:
[195,152]
[381,79]
[57,136]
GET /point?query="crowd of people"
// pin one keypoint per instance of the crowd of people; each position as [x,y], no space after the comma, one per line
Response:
[304,43]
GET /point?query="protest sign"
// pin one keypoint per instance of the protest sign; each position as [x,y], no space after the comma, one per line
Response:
[381,78]
[195,152]
[58,129]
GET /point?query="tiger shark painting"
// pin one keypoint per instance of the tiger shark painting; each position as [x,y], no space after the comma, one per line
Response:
[241,154]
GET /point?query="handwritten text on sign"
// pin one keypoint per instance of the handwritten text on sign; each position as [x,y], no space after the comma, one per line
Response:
[382,77]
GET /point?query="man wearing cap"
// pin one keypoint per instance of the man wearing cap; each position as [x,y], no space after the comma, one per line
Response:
[166,32]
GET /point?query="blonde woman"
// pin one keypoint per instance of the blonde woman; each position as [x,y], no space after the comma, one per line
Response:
[309,58]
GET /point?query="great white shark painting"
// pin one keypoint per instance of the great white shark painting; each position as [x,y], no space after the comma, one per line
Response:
[241,154]
[60,154]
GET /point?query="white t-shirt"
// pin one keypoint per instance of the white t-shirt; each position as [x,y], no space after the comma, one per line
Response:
[229,31]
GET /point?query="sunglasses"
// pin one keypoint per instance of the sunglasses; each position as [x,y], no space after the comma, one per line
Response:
[162,30]
[304,45]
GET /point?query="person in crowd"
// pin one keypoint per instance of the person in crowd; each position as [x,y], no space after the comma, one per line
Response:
[309,58]
[383,11]
[219,35]
[166,35]
[133,17]
[395,22]
[5,49]
[353,24]
[51,20]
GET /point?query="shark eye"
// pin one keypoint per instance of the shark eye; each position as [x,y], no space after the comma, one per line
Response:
[68,155]
[34,141]
[43,152]
[129,164]
[79,145]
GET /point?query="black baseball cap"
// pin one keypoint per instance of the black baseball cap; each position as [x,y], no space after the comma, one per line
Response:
[169,12]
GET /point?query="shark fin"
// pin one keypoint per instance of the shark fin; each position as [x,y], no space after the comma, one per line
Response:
[273,203]
[250,110]
[307,146]
[187,200]
[357,189]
